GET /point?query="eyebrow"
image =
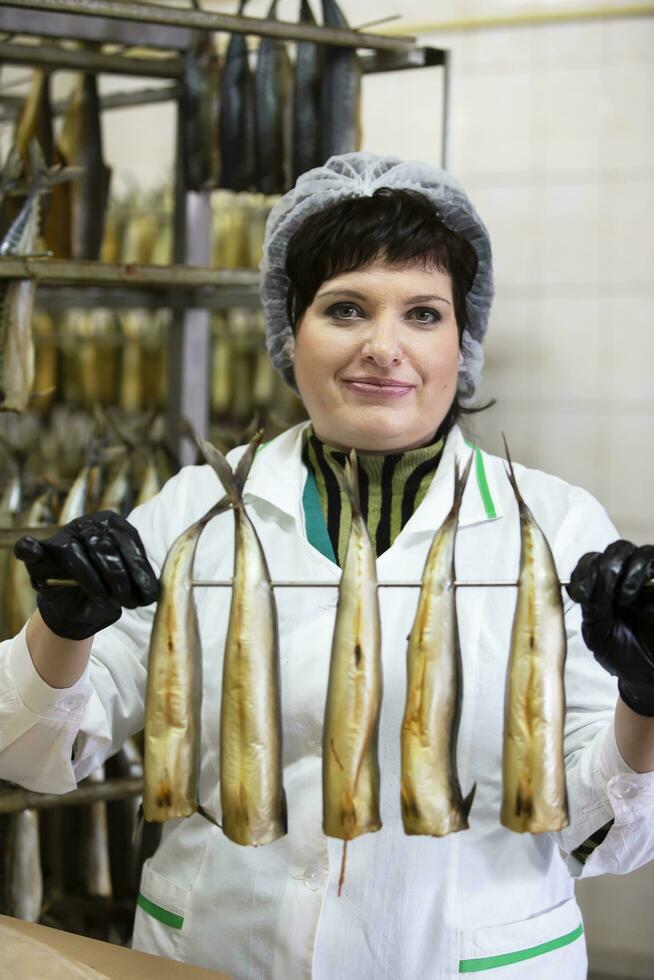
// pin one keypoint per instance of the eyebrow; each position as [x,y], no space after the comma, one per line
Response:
[428,297]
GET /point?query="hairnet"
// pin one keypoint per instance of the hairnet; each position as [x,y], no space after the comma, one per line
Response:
[360,175]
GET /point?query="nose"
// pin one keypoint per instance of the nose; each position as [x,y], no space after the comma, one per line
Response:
[382,344]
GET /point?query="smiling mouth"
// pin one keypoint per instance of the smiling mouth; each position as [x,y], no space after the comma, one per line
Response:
[379,387]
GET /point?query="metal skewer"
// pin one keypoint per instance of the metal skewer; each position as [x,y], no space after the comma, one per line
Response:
[291,584]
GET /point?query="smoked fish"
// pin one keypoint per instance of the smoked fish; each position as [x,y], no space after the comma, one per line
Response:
[236,127]
[174,686]
[17,296]
[432,802]
[200,111]
[307,81]
[350,767]
[251,789]
[272,113]
[341,92]
[19,597]
[534,789]
[81,145]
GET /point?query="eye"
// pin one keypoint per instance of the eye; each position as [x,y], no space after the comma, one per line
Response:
[425,315]
[344,311]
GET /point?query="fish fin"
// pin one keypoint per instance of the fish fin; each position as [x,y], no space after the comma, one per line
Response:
[138,823]
[467,803]
[207,816]
[349,482]
[306,13]
[460,481]
[246,460]
[221,468]
[510,473]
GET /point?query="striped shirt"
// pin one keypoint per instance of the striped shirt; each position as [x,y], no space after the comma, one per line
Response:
[391,487]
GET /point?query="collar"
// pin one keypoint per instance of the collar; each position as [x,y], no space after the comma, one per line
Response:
[278,476]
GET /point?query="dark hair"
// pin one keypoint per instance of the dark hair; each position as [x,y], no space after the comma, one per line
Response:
[396,226]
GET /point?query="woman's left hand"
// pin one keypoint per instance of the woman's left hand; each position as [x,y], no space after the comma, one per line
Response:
[618,617]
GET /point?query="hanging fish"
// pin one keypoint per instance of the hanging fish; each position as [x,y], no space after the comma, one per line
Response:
[17,296]
[251,788]
[150,482]
[174,686]
[341,91]
[97,871]
[11,500]
[19,597]
[35,120]
[200,111]
[81,145]
[76,503]
[307,85]
[432,802]
[10,174]
[350,767]
[534,789]
[272,106]
[25,877]
[236,125]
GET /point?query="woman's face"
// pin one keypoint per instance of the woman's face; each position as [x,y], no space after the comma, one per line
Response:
[376,357]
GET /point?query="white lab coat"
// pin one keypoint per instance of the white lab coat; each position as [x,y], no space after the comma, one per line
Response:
[412,907]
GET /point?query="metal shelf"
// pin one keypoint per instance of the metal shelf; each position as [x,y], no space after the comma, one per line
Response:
[73,272]
[139,14]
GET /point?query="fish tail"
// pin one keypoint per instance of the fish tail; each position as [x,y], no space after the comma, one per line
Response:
[349,482]
[460,481]
[510,473]
[11,170]
[221,468]
[467,803]
[246,460]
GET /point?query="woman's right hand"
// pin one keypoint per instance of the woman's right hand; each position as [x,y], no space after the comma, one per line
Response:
[104,555]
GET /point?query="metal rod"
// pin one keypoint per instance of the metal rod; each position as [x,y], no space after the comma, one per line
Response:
[85,273]
[9,536]
[208,21]
[292,584]
[18,799]
[52,56]
[12,104]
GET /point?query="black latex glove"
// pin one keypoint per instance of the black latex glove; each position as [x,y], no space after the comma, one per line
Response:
[105,556]
[618,617]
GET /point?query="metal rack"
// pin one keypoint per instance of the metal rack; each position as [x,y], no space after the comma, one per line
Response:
[161,34]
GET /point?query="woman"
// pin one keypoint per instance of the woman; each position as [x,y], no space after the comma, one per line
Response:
[377,285]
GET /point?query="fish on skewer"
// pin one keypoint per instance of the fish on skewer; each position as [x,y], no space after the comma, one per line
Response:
[534,795]
[432,802]
[272,107]
[174,686]
[236,124]
[19,597]
[96,865]
[251,788]
[341,91]
[17,296]
[25,875]
[307,81]
[81,146]
[200,112]
[350,767]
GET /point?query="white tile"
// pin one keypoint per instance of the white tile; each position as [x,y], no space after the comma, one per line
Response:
[626,109]
[573,346]
[566,232]
[492,122]
[628,39]
[631,338]
[402,114]
[629,463]
[513,351]
[567,105]
[627,233]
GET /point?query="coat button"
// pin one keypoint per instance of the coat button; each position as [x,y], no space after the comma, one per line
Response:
[313,878]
